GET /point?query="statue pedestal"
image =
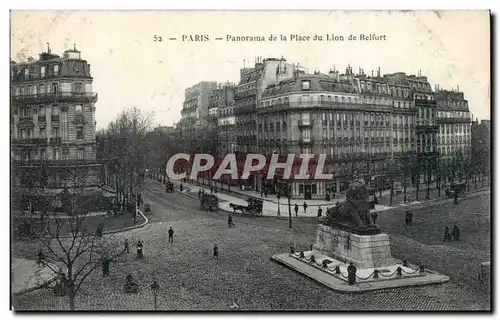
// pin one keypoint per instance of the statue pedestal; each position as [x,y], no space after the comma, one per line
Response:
[364,251]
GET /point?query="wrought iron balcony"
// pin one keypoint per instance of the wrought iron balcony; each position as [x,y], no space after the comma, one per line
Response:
[305,123]
[54,118]
[427,127]
[454,120]
[55,163]
[42,118]
[56,96]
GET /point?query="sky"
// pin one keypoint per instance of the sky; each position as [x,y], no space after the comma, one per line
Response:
[451,48]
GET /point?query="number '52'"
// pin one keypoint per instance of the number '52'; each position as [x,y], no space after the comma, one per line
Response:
[157,38]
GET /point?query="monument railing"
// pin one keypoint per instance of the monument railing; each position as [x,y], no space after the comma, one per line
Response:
[325,264]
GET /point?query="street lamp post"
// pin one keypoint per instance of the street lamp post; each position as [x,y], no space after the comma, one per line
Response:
[278,196]
[154,287]
[289,206]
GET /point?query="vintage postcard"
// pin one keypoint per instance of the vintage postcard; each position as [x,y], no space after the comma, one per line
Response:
[250,160]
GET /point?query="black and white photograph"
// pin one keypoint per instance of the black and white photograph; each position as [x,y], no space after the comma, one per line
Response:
[239,161]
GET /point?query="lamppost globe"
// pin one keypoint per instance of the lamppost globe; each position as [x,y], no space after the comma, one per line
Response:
[154,287]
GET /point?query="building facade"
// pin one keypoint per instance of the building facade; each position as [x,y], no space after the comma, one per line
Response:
[253,82]
[454,120]
[194,112]
[221,107]
[53,147]
[358,121]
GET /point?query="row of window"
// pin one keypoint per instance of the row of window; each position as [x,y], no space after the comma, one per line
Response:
[42,72]
[448,150]
[51,154]
[450,128]
[53,88]
[26,112]
[454,139]
[454,104]
[42,133]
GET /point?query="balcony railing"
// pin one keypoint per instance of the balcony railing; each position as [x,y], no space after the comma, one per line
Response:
[305,123]
[58,96]
[245,94]
[425,103]
[454,120]
[427,127]
[53,140]
[55,163]
[54,118]
[325,104]
[26,118]
[30,77]
[42,118]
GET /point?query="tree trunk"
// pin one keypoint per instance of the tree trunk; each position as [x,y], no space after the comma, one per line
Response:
[427,196]
[404,190]
[438,183]
[418,187]
[71,297]
[392,192]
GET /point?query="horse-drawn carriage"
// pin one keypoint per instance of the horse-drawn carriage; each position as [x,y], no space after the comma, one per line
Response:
[209,202]
[169,187]
[456,188]
[254,207]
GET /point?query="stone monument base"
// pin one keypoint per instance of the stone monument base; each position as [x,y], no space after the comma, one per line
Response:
[334,249]
[370,251]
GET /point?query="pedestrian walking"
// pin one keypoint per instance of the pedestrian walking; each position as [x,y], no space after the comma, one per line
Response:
[296,208]
[140,255]
[455,233]
[126,248]
[230,221]
[106,262]
[305,207]
[181,187]
[320,212]
[40,260]
[199,193]
[171,235]
[216,252]
[374,217]
[447,236]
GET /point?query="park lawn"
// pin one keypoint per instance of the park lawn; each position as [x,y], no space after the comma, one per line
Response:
[423,242]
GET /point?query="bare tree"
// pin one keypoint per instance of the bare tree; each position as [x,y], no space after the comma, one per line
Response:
[124,141]
[70,249]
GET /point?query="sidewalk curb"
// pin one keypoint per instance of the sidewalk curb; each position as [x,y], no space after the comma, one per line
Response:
[425,203]
[115,231]
[41,286]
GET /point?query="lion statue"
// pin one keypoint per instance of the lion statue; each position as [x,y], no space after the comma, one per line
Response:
[354,212]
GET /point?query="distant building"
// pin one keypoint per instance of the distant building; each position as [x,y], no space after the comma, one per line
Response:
[53,126]
[164,129]
[454,121]
[195,111]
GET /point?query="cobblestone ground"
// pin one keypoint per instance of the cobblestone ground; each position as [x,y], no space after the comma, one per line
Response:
[190,279]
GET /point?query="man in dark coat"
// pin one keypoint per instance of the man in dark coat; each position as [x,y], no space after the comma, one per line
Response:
[455,233]
[41,258]
[296,209]
[320,212]
[171,235]
[126,249]
[216,252]
[374,217]
[447,236]
[351,273]
[140,255]
[230,221]
[305,207]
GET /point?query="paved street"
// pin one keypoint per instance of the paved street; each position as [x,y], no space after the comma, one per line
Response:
[246,277]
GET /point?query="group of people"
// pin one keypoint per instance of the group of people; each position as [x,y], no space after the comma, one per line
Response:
[296,208]
[455,233]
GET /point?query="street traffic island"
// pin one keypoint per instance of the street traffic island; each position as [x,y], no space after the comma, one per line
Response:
[352,255]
